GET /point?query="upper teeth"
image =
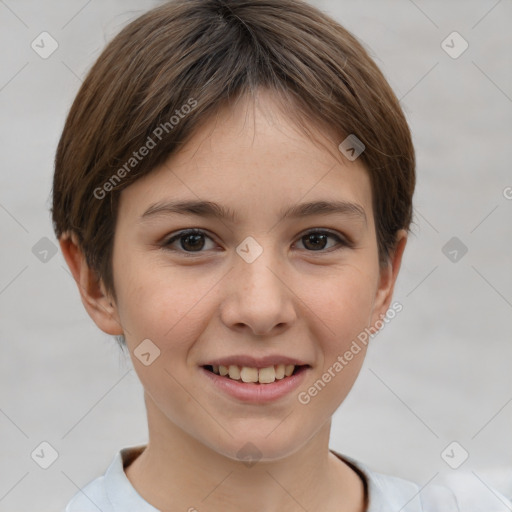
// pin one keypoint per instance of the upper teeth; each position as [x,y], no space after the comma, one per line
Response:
[261,375]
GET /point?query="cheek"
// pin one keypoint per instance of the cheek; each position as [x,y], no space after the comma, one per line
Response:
[343,304]
[343,312]
[162,305]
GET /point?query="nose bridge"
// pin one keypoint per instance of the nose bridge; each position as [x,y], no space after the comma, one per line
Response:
[257,267]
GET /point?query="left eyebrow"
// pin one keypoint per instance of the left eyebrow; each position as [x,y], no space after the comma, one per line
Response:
[211,209]
[324,208]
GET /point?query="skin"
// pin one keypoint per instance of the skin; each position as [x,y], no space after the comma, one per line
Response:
[292,300]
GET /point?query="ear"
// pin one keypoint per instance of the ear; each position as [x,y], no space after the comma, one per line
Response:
[100,306]
[387,278]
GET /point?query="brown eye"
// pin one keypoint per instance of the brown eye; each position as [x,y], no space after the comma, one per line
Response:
[189,241]
[195,240]
[192,242]
[315,241]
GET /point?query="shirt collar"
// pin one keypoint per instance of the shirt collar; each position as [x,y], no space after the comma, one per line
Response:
[120,492]
[384,492]
[123,495]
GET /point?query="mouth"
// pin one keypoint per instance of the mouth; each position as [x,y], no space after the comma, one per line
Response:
[255,375]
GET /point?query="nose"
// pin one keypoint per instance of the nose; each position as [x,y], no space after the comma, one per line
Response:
[259,296]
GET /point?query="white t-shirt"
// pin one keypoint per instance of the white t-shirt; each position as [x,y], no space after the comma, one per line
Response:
[113,492]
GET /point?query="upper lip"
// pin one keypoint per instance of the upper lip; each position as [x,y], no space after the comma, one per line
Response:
[255,362]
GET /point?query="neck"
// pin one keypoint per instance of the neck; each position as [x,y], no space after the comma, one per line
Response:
[177,472]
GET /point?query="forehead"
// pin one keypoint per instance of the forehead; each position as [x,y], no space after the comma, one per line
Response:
[252,159]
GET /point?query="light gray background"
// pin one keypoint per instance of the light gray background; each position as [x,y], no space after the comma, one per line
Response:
[439,372]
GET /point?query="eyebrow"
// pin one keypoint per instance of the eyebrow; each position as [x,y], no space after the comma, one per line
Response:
[211,209]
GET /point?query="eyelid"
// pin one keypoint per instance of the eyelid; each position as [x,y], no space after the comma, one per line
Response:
[336,234]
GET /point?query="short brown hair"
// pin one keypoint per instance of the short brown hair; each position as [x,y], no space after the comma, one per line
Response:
[205,53]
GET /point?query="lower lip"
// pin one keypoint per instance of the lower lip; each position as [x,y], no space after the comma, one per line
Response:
[253,392]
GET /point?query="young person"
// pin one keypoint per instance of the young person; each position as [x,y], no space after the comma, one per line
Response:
[232,193]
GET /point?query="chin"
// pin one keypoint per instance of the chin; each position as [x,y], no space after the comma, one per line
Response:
[261,444]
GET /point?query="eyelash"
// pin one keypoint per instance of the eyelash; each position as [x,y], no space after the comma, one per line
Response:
[342,242]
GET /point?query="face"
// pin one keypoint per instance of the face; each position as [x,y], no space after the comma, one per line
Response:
[272,284]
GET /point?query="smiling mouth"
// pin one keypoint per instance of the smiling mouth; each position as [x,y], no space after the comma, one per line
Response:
[256,375]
